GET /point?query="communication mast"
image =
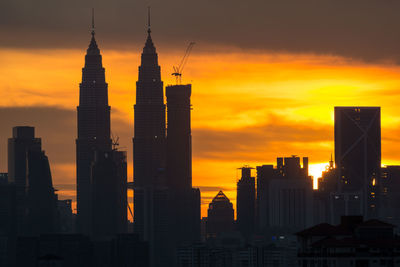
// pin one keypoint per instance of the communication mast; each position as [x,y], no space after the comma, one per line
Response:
[178,70]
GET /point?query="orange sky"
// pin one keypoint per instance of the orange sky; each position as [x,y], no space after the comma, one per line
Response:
[248,108]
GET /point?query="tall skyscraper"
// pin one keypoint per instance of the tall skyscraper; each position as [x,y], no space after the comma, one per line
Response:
[358,156]
[23,140]
[93,129]
[149,149]
[246,203]
[184,200]
[149,126]
[179,137]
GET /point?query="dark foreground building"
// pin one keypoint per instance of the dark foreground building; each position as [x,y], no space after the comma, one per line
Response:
[66,216]
[358,160]
[353,242]
[93,129]
[65,250]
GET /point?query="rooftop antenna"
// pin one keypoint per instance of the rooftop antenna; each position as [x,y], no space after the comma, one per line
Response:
[148,20]
[93,22]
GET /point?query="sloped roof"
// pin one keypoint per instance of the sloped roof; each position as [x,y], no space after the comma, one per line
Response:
[220,197]
[324,229]
[375,223]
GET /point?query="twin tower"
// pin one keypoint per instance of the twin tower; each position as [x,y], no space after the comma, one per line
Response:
[166,207]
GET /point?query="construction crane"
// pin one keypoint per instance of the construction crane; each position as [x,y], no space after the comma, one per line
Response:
[178,70]
[114,142]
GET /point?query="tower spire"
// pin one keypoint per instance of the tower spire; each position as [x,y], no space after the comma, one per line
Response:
[331,162]
[149,46]
[93,32]
[148,20]
[93,49]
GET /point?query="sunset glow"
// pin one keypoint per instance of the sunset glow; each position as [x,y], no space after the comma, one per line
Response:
[247,108]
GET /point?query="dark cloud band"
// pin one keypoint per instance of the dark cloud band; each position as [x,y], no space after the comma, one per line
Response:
[363,29]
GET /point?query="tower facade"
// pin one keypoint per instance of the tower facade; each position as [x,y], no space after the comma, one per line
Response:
[179,137]
[149,121]
[93,129]
[184,200]
[358,157]
[151,218]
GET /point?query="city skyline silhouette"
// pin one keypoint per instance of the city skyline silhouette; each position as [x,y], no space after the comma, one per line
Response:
[90,115]
[250,115]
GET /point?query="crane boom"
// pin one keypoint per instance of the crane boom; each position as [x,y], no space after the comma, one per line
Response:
[178,70]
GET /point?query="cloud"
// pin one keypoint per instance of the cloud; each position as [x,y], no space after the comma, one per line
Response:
[264,142]
[58,130]
[56,127]
[214,188]
[365,29]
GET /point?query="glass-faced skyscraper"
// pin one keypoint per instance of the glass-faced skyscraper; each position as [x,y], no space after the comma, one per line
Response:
[93,129]
[358,155]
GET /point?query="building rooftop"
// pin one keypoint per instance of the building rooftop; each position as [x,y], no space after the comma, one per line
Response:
[355,242]
[324,229]
[347,227]
[220,197]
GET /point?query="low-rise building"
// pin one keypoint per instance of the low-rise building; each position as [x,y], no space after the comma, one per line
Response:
[353,242]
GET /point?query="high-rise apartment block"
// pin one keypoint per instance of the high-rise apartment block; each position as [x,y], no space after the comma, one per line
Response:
[284,196]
